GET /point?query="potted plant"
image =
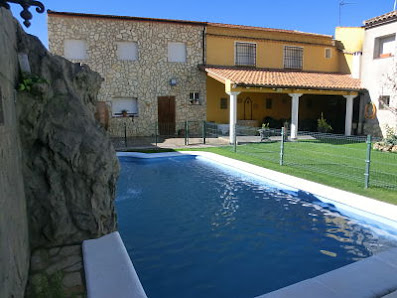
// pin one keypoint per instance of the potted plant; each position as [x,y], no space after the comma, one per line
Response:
[322,125]
[124,113]
[264,131]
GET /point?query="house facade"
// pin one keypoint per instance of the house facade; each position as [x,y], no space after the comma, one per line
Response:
[169,71]
[379,72]
[260,75]
[372,51]
[149,67]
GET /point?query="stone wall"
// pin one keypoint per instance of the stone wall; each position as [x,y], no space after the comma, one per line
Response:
[14,241]
[146,78]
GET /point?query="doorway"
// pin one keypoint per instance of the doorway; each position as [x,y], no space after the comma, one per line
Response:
[166,115]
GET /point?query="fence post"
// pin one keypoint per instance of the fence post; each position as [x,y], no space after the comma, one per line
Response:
[125,134]
[235,138]
[282,147]
[186,132]
[204,136]
[156,132]
[368,161]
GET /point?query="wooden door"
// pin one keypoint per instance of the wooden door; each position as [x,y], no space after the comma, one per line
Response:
[166,115]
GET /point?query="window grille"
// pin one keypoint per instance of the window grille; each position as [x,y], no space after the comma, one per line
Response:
[245,54]
[293,57]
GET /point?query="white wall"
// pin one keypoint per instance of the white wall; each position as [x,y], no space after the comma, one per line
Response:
[374,73]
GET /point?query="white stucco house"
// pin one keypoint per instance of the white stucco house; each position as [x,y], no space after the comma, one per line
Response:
[378,72]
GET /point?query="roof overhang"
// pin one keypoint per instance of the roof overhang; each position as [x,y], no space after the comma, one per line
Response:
[279,81]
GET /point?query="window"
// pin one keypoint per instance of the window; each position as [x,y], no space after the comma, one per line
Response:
[127,51]
[328,53]
[384,46]
[119,105]
[245,54]
[75,49]
[269,103]
[293,57]
[384,102]
[176,52]
[223,103]
[194,98]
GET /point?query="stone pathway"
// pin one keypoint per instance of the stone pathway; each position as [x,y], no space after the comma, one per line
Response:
[57,272]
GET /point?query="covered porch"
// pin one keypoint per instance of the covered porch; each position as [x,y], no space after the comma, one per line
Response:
[255,96]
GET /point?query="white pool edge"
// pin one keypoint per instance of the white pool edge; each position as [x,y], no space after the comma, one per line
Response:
[109,271]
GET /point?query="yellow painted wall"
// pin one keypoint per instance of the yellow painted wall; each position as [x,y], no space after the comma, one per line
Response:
[270,48]
[352,39]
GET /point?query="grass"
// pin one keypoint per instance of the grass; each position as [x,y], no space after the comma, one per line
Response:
[337,163]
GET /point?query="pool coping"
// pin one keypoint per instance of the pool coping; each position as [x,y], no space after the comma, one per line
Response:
[370,277]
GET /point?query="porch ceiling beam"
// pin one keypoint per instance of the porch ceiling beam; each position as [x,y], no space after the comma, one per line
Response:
[293,90]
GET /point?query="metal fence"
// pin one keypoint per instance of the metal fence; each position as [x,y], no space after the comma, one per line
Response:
[166,135]
[350,158]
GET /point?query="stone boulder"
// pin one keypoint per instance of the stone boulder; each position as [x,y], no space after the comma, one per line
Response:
[70,167]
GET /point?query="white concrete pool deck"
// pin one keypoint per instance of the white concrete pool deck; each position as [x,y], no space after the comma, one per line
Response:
[110,272]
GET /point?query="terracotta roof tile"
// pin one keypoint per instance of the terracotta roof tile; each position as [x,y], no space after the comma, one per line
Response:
[284,79]
[381,19]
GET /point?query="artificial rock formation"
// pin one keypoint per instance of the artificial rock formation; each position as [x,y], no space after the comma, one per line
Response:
[70,168]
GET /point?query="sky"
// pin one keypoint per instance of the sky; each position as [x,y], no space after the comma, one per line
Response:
[315,16]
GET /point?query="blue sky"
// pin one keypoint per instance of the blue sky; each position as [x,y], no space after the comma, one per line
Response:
[316,16]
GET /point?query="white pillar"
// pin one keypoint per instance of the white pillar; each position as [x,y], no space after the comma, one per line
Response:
[349,114]
[232,115]
[294,114]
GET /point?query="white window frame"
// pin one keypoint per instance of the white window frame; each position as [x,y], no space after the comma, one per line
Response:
[194,98]
[380,41]
[330,53]
[133,110]
[121,43]
[168,52]
[303,56]
[235,52]
[79,57]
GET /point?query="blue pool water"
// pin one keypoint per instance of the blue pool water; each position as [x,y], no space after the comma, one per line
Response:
[193,229]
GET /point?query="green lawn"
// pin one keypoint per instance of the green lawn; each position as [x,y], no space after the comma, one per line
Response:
[336,163]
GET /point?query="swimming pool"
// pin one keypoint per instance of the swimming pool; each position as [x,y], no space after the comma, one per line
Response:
[197,229]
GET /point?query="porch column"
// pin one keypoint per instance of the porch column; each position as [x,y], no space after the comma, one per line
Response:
[233,115]
[349,114]
[294,114]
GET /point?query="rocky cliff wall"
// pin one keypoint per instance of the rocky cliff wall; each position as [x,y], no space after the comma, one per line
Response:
[70,166]
[58,169]
[14,241]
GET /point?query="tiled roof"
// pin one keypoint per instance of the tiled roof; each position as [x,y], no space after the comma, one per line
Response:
[265,29]
[387,17]
[103,16]
[285,79]
[183,22]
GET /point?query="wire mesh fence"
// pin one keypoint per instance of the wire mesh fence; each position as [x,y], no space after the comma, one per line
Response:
[351,158]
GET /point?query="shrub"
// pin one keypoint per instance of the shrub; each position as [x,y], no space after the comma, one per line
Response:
[322,125]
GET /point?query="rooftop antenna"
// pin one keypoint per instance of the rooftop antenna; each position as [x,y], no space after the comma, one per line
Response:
[343,3]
